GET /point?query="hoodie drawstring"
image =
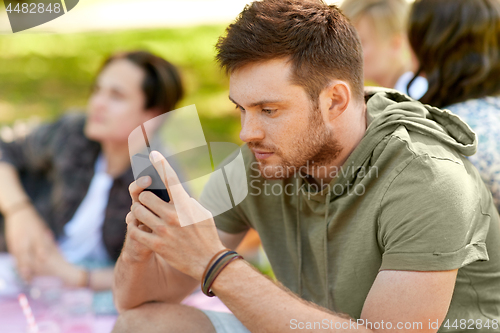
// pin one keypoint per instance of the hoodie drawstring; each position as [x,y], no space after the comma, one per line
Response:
[327,210]
[299,242]
[325,243]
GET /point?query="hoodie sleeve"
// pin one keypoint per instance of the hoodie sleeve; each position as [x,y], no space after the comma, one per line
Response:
[216,195]
[434,216]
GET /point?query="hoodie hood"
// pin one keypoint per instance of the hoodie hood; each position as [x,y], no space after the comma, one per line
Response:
[387,110]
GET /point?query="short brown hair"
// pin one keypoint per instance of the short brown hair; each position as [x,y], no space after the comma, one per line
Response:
[162,85]
[457,43]
[319,40]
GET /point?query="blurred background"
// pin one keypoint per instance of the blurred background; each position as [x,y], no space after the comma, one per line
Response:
[48,70]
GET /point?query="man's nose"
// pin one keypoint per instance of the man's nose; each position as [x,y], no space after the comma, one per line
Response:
[251,128]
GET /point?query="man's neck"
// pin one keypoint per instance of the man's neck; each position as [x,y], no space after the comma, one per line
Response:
[323,175]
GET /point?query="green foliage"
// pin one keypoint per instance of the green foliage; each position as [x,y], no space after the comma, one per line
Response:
[46,74]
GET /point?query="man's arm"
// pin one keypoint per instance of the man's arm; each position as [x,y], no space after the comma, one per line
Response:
[153,280]
[149,280]
[142,275]
[396,299]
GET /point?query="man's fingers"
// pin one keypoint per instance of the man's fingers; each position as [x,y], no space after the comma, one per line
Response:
[169,178]
[138,186]
[148,218]
[136,232]
[165,211]
[144,228]
[131,219]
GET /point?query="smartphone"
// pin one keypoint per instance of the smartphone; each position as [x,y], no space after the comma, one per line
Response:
[157,187]
[142,162]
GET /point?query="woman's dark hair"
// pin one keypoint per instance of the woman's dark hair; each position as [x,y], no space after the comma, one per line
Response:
[319,40]
[162,85]
[457,43]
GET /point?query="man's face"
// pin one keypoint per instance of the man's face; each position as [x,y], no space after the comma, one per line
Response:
[280,123]
[116,105]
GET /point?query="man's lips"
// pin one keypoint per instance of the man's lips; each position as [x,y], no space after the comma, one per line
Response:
[261,155]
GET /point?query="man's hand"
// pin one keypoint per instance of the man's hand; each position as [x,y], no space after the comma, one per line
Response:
[28,239]
[189,248]
[133,249]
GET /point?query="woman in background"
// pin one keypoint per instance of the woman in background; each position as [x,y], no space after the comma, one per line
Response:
[64,187]
[457,44]
[381,25]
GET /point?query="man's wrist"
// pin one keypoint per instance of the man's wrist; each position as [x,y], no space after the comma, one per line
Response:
[129,258]
[203,266]
[226,275]
[220,261]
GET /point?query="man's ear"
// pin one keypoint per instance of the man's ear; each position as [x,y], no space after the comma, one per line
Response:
[335,98]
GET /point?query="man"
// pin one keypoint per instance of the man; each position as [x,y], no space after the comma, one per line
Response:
[381,223]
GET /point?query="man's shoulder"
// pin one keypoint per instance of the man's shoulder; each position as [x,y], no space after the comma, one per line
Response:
[418,144]
[422,161]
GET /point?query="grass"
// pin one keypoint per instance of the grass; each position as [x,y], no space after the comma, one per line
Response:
[45,75]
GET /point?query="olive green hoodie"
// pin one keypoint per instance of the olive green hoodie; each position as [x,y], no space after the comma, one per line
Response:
[405,199]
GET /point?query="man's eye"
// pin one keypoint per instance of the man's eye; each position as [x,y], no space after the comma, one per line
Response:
[269,111]
[240,108]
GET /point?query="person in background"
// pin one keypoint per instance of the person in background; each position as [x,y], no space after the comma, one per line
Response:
[457,44]
[381,25]
[63,187]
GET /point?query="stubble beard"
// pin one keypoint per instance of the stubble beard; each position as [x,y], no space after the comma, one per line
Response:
[316,147]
